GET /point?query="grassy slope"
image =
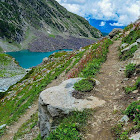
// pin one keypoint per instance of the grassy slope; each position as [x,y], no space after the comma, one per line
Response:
[12,109]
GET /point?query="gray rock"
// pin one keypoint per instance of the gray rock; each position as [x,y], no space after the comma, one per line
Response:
[45,60]
[123,45]
[138,41]
[56,102]
[135,91]
[114,32]
[129,47]
[2,126]
[125,119]
[135,136]
[136,58]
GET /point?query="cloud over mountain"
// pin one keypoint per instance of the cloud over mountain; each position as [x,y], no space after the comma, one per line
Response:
[122,11]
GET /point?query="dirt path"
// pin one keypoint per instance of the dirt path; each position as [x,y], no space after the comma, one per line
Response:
[111,91]
[11,131]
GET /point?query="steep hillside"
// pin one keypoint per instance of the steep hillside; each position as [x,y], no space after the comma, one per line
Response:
[20,19]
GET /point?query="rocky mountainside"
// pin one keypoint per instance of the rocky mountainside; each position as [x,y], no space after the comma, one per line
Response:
[21,19]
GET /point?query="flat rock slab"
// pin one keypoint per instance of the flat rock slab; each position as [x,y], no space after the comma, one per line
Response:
[135,136]
[56,102]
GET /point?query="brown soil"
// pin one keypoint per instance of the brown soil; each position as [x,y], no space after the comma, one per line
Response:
[111,90]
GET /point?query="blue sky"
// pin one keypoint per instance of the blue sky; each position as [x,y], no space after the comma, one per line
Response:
[105,14]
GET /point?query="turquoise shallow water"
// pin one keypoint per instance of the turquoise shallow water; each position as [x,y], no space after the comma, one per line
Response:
[27,59]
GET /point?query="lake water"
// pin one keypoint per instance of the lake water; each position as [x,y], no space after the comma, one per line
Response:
[27,59]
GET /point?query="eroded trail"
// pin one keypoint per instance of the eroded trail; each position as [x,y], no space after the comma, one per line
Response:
[111,91]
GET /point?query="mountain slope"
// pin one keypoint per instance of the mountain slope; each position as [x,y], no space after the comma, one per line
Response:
[18,15]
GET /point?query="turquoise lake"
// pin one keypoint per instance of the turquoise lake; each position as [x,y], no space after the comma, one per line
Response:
[27,59]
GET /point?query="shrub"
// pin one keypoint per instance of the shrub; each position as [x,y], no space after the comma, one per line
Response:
[129,70]
[92,68]
[71,126]
[65,132]
[117,130]
[84,85]
[133,111]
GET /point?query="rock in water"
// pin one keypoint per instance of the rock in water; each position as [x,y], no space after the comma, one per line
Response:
[56,102]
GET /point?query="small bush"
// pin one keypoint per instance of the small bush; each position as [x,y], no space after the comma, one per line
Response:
[133,111]
[65,132]
[84,85]
[117,130]
[129,70]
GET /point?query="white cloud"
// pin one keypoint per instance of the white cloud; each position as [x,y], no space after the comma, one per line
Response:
[116,24]
[102,23]
[122,11]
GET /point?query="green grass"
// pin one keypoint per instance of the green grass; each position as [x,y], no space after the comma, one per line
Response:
[5,59]
[77,59]
[71,127]
[51,35]
[128,54]
[130,70]
[59,54]
[132,37]
[28,92]
[84,85]
[27,127]
[133,111]
[127,28]
[1,50]
[129,89]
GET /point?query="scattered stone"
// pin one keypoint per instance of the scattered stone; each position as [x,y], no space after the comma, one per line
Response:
[123,45]
[135,136]
[125,119]
[126,79]
[135,91]
[129,47]
[2,126]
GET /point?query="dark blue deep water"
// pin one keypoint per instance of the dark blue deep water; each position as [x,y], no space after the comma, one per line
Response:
[27,59]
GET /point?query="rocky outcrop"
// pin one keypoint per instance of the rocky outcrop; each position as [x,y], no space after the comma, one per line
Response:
[57,102]
[129,47]
[136,58]
[115,32]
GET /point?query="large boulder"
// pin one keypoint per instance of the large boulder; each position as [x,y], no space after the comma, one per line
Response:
[57,102]
[114,32]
